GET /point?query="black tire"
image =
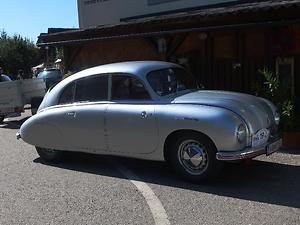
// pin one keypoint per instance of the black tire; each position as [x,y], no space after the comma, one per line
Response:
[35,103]
[49,155]
[193,156]
[1,119]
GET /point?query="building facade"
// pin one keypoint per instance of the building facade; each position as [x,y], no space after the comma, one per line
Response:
[224,46]
[93,13]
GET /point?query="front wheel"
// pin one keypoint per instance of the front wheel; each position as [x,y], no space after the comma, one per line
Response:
[49,155]
[193,156]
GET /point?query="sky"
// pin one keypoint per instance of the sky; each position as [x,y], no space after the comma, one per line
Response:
[29,18]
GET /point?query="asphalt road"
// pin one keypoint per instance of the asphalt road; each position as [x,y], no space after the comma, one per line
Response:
[89,189]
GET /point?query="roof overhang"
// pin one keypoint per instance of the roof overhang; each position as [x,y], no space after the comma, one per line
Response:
[239,16]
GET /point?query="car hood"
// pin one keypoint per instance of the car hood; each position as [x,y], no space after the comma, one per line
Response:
[256,112]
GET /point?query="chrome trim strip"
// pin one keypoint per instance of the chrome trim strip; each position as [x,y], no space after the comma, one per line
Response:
[247,153]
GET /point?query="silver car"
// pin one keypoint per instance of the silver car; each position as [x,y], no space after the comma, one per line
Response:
[155,111]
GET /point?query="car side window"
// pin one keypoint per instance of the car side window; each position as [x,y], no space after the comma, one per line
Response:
[128,88]
[67,95]
[93,88]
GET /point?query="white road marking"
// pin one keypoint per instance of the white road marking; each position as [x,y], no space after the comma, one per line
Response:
[158,212]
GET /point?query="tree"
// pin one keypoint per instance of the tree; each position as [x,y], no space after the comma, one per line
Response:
[17,53]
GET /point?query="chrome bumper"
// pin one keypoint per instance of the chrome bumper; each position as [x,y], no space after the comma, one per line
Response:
[249,153]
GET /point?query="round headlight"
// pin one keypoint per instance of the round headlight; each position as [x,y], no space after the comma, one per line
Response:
[241,133]
[277,117]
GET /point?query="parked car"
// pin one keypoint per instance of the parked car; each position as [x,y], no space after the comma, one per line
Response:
[152,110]
[51,76]
[4,78]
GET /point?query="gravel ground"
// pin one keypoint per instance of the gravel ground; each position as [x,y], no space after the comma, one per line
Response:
[87,189]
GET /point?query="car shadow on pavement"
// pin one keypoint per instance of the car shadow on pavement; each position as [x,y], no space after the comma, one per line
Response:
[258,181]
[13,124]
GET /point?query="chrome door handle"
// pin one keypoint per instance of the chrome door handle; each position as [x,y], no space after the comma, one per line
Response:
[144,114]
[72,114]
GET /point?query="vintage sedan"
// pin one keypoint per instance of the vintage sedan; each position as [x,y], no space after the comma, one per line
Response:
[155,111]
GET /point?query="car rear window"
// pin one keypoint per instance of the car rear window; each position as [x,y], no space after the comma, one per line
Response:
[125,87]
[67,96]
[92,88]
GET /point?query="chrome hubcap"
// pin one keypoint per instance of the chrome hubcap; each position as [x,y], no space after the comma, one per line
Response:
[193,157]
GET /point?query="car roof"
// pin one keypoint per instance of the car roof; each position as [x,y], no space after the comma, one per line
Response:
[137,68]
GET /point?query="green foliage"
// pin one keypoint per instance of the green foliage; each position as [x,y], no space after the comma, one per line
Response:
[69,73]
[17,53]
[59,53]
[279,92]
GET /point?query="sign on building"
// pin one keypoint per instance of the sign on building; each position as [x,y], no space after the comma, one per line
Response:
[94,13]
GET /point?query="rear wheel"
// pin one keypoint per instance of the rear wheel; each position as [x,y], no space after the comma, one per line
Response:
[49,155]
[1,119]
[193,156]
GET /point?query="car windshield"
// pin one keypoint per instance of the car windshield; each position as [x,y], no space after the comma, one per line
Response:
[171,80]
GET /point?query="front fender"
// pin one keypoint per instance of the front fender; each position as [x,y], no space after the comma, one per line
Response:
[219,124]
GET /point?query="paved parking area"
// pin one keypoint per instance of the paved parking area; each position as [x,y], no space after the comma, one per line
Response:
[88,189]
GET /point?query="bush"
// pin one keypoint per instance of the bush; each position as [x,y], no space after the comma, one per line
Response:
[279,92]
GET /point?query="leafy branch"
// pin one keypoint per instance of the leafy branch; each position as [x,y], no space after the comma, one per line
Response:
[279,92]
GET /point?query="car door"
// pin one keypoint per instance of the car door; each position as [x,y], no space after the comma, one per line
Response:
[131,123]
[83,123]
